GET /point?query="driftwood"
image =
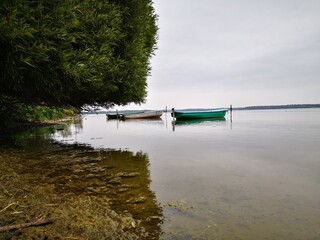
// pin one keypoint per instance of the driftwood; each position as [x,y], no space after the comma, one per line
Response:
[26,225]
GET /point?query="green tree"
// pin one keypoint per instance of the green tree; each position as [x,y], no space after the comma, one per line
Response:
[76,52]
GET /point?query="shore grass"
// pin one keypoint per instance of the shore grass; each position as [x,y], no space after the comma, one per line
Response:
[30,196]
[16,115]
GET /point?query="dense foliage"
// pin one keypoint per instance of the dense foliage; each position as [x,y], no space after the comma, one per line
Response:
[76,52]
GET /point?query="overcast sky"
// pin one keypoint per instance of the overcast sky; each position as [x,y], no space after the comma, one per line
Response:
[213,53]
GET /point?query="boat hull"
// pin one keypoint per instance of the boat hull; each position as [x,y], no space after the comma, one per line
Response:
[114,116]
[185,115]
[120,114]
[144,115]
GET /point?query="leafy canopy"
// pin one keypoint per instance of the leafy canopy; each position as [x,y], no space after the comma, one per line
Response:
[76,52]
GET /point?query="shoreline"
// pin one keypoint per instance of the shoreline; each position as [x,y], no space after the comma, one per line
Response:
[30,191]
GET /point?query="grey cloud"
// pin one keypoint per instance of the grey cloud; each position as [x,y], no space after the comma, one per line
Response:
[243,50]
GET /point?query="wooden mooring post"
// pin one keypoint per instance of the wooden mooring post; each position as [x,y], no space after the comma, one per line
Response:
[230,113]
[173,120]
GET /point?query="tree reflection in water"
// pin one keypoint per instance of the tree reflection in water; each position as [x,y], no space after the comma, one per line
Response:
[68,175]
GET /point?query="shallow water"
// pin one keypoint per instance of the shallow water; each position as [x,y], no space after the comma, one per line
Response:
[255,178]
[40,178]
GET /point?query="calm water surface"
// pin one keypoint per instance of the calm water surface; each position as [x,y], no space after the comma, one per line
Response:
[255,178]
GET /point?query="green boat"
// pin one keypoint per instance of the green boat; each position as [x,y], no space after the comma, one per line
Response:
[198,114]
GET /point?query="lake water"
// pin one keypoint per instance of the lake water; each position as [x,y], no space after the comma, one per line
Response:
[255,178]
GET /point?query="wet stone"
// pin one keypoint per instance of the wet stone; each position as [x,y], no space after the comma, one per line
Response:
[116,181]
[127,174]
[136,200]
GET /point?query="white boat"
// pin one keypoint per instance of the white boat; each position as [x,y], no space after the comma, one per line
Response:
[143,115]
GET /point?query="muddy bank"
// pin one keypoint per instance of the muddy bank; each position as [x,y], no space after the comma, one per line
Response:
[89,194]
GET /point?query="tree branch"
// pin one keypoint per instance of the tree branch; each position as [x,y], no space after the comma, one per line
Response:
[26,225]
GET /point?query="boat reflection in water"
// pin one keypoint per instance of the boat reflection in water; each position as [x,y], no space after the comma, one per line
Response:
[197,122]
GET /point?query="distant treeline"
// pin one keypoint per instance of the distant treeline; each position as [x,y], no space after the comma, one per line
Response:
[290,106]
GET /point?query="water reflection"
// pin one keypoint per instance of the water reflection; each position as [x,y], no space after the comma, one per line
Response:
[258,181]
[75,172]
[135,121]
[199,122]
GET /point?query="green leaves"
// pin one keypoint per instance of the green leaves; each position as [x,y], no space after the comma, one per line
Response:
[76,52]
